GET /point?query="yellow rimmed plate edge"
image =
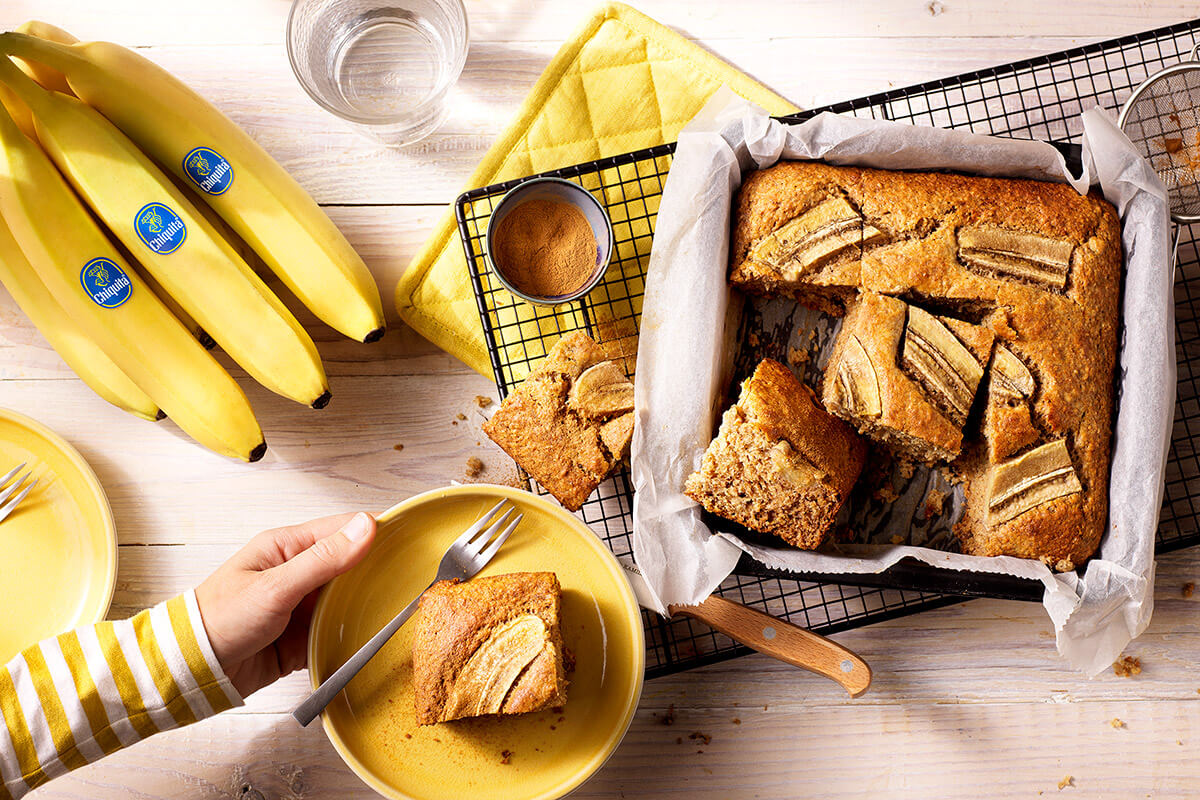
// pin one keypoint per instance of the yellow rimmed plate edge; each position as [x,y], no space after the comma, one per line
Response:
[90,477]
[630,601]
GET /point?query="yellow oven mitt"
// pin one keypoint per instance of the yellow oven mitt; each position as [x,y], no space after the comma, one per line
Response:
[621,83]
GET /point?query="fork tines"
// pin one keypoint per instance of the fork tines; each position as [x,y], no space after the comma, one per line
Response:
[9,505]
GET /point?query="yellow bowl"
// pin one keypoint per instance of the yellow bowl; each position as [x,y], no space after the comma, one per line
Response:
[58,549]
[373,724]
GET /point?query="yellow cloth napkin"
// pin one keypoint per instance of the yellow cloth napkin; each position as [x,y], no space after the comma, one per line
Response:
[621,83]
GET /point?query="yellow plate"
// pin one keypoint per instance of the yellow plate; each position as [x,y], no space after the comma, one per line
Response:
[373,723]
[58,549]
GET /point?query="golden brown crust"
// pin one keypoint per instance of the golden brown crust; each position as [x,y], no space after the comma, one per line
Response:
[1065,332]
[780,464]
[455,620]
[562,448]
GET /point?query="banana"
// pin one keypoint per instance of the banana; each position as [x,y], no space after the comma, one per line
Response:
[174,243]
[113,307]
[50,78]
[74,347]
[249,189]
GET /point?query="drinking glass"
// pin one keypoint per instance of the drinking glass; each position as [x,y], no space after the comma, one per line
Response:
[384,65]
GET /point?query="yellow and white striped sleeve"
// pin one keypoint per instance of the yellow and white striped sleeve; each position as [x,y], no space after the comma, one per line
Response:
[71,700]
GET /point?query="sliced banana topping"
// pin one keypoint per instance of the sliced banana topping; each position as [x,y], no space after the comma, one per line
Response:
[818,235]
[856,385]
[489,674]
[940,362]
[1037,477]
[1011,379]
[789,466]
[601,391]
[1028,256]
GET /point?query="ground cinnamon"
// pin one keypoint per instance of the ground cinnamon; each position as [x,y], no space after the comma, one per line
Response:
[545,248]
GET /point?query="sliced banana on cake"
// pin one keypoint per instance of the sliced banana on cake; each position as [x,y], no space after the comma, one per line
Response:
[601,391]
[789,466]
[1011,379]
[940,362]
[1029,480]
[856,384]
[492,670]
[1027,256]
[817,236]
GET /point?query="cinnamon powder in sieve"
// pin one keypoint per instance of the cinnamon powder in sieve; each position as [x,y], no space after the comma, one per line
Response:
[545,248]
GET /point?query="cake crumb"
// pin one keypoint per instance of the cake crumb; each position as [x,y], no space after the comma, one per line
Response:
[1173,144]
[703,738]
[1064,565]
[796,356]
[482,400]
[752,339]
[460,416]
[935,503]
[474,467]
[1189,589]
[1068,780]
[1127,667]
[886,493]
[737,721]
[906,469]
[1116,723]
[397,447]
[408,736]
[897,539]
[669,717]
[505,756]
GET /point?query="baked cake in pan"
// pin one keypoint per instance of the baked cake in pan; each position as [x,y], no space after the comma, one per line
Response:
[1034,265]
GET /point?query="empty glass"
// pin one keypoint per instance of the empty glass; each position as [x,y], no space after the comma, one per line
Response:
[385,66]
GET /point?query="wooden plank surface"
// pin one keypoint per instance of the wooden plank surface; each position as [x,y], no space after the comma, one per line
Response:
[968,701]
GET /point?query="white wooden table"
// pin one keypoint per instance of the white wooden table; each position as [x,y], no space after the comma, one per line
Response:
[968,701]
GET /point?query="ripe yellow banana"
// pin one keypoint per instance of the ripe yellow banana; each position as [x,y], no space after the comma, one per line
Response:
[50,78]
[249,189]
[98,291]
[173,242]
[81,354]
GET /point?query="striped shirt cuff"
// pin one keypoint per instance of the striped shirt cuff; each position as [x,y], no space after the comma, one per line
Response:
[70,700]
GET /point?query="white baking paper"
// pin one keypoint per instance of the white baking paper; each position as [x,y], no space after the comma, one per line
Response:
[690,316]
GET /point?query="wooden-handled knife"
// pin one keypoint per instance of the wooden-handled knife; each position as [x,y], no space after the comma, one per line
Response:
[767,634]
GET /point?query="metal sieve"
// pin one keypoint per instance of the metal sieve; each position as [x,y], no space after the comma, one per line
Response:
[1162,119]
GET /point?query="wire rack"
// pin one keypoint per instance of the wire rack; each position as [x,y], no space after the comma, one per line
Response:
[1039,98]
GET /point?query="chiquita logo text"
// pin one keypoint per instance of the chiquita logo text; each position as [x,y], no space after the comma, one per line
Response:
[105,282]
[208,169]
[160,228]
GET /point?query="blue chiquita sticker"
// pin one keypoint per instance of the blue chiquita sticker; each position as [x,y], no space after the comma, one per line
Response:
[208,169]
[105,282]
[160,228]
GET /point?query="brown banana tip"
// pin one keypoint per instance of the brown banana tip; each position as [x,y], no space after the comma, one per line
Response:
[374,336]
[160,416]
[258,452]
[323,400]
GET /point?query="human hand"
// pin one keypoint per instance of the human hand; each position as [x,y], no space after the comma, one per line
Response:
[257,605]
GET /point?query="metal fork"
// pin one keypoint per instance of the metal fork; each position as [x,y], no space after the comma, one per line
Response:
[464,558]
[9,505]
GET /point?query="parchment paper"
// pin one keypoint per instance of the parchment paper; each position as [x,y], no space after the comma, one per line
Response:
[690,323]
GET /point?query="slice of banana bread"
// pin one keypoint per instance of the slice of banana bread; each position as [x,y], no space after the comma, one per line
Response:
[780,464]
[570,423]
[489,646]
[905,377]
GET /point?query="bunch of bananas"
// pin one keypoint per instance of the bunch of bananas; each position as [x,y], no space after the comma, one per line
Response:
[129,208]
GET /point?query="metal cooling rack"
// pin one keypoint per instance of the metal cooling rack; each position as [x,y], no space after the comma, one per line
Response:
[1038,98]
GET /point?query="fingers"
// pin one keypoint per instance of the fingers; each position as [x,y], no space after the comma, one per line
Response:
[274,547]
[330,553]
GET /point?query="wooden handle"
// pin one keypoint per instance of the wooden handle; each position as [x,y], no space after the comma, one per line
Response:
[782,640]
